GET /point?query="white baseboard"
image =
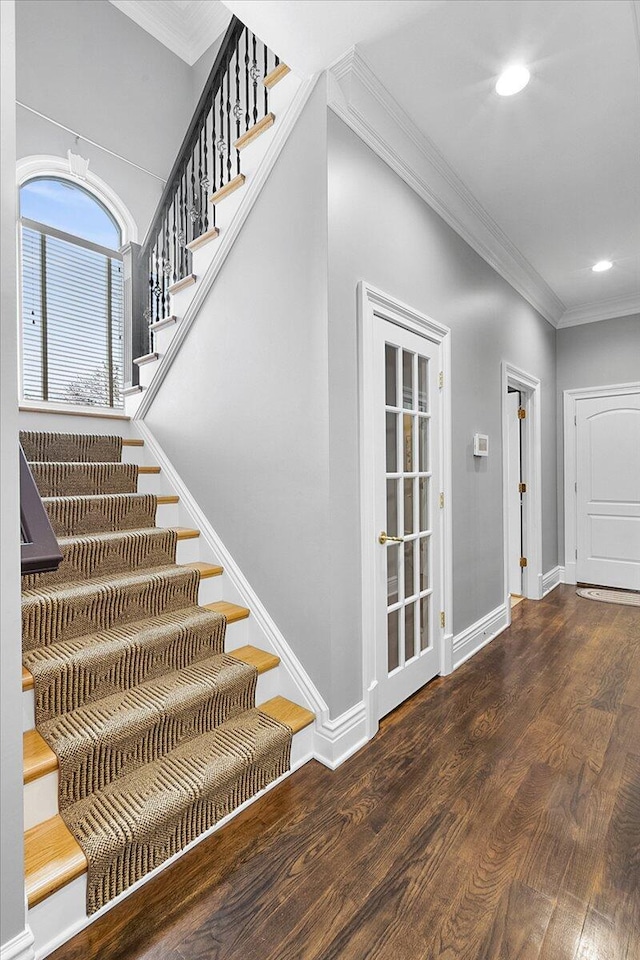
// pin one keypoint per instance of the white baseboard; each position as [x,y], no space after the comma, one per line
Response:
[337,740]
[551,580]
[562,575]
[479,634]
[19,948]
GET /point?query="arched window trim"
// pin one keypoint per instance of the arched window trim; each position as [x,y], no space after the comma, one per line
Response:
[35,167]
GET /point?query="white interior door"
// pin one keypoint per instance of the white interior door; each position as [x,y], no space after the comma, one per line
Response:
[608,491]
[514,497]
[407,509]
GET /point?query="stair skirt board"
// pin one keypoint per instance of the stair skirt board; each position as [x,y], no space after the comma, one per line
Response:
[152,729]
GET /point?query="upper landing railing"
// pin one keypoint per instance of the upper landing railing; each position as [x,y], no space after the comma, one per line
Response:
[233,100]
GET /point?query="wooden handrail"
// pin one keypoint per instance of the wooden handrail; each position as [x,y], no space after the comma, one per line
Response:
[39,547]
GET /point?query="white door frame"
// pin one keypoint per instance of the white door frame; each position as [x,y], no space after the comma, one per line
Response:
[529,387]
[371,303]
[570,464]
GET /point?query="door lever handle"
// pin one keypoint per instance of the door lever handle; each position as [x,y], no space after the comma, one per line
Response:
[383,538]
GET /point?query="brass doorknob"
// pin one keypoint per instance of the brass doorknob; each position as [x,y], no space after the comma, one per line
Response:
[384,537]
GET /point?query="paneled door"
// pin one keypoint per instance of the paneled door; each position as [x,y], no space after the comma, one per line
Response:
[608,491]
[407,508]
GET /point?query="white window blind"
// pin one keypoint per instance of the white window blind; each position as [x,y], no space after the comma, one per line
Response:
[72,319]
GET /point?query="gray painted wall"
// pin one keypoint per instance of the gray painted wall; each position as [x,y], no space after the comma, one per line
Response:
[90,67]
[12,918]
[593,355]
[380,231]
[243,412]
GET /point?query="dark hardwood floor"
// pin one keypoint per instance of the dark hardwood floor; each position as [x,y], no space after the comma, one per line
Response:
[495,815]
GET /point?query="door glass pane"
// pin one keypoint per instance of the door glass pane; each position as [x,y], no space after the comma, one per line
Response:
[392,508]
[393,652]
[407,432]
[424,563]
[423,444]
[424,622]
[391,389]
[409,631]
[408,506]
[408,569]
[392,573]
[423,389]
[424,502]
[407,380]
[392,443]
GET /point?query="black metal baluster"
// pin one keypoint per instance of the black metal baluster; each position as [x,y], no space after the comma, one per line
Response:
[229,142]
[193,209]
[200,200]
[167,266]
[175,240]
[181,232]
[163,282]
[237,109]
[246,78]
[266,71]
[254,77]
[221,144]
[157,289]
[205,181]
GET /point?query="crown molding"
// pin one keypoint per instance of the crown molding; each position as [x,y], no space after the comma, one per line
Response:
[186,27]
[600,310]
[365,104]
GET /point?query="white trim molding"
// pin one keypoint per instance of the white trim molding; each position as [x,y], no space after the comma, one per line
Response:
[42,165]
[570,464]
[600,310]
[187,29]
[371,303]
[359,98]
[20,947]
[337,740]
[469,641]
[530,387]
[552,579]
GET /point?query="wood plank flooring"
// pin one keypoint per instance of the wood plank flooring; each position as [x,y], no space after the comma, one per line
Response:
[495,816]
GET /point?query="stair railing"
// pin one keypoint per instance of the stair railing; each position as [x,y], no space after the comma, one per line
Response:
[233,100]
[39,548]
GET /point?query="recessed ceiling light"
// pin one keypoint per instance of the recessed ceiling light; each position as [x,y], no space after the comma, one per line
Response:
[601,266]
[512,80]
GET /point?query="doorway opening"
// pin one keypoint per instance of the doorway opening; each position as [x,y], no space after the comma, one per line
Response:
[522,507]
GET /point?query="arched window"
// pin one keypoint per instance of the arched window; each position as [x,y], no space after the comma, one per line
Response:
[72,295]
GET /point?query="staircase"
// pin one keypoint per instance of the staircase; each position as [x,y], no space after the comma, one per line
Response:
[141,725]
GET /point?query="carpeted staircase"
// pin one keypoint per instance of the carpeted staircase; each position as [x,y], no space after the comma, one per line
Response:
[154,727]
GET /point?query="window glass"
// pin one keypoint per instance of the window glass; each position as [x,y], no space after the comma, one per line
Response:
[69,207]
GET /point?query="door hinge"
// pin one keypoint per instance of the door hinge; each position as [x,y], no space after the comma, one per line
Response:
[521,413]
[441,379]
[522,488]
[442,619]
[442,500]
[523,561]
[575,421]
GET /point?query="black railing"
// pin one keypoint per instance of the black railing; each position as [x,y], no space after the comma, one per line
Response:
[38,544]
[233,100]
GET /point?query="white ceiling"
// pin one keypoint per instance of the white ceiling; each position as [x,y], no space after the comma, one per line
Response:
[187,27]
[556,169]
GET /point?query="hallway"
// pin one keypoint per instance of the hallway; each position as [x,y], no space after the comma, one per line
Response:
[495,815]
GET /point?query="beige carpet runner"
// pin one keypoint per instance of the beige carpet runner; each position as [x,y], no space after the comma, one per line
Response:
[154,726]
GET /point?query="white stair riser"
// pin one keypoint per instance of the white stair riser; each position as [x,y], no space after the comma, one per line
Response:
[163,337]
[147,372]
[63,914]
[152,483]
[132,403]
[168,515]
[41,795]
[187,551]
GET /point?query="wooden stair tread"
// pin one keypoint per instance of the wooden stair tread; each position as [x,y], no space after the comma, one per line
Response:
[133,442]
[254,132]
[182,284]
[212,234]
[285,711]
[228,188]
[169,498]
[206,569]
[163,322]
[147,358]
[260,659]
[278,73]
[52,859]
[38,757]
[27,679]
[232,611]
[148,469]
[185,533]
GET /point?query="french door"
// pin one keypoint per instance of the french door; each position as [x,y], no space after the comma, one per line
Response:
[407,483]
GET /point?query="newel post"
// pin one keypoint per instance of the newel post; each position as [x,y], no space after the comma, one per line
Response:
[136,327]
